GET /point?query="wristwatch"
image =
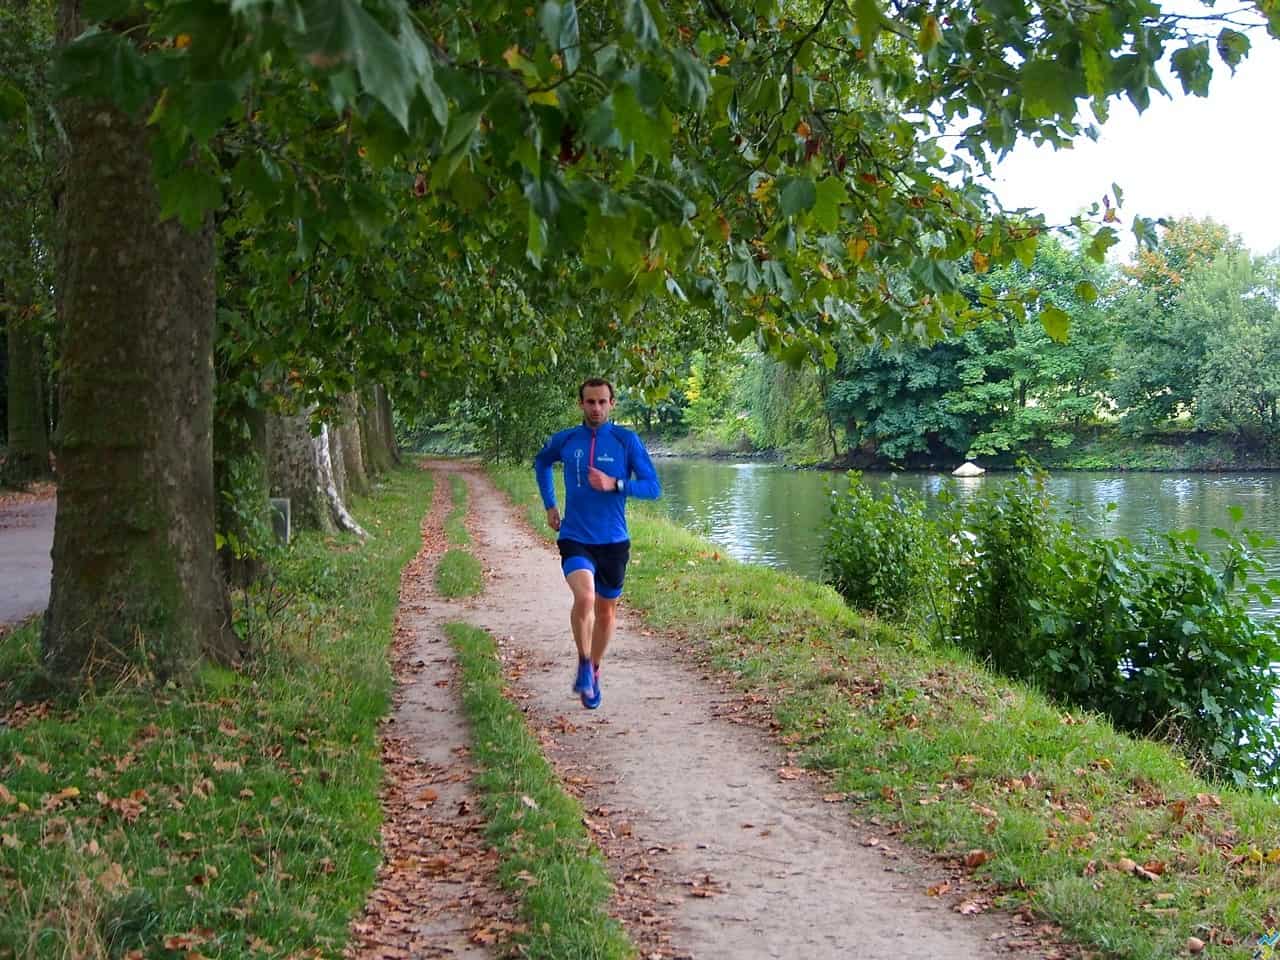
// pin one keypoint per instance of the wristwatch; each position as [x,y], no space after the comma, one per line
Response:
[621,485]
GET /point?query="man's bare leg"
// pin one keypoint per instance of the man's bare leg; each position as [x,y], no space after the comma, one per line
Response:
[606,615]
[582,618]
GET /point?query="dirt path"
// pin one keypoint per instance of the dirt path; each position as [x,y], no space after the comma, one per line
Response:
[717,847]
[26,537]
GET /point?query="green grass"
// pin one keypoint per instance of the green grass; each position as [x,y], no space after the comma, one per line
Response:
[459,574]
[455,525]
[238,812]
[537,828]
[963,760]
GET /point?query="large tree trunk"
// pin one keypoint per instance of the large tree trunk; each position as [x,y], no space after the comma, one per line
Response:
[337,462]
[377,455]
[294,472]
[387,424]
[135,577]
[352,446]
[28,455]
[302,470]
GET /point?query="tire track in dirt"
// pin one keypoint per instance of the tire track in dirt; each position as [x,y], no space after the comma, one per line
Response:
[436,894]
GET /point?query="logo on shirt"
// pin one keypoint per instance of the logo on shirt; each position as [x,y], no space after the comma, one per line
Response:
[605,458]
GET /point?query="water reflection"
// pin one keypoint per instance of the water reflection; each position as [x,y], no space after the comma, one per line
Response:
[764,513]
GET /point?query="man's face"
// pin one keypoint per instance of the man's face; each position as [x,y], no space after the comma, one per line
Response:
[596,404]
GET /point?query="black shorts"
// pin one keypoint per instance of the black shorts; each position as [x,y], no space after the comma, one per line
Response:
[607,561]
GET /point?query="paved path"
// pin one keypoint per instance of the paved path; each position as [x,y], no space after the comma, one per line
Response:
[26,537]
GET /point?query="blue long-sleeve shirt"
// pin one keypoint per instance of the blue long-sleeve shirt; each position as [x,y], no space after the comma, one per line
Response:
[590,515]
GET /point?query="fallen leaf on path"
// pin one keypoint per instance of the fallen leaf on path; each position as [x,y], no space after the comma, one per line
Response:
[976,858]
[790,773]
[938,889]
[969,908]
[834,797]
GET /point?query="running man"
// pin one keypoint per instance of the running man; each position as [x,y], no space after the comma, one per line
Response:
[603,465]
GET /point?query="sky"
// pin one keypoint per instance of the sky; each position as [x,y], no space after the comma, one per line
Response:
[1213,157]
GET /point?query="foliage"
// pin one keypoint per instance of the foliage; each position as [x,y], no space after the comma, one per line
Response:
[925,739]
[1161,643]
[881,553]
[537,828]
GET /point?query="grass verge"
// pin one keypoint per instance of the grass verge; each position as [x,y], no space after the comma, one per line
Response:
[1109,836]
[236,814]
[546,854]
[459,574]
[455,525]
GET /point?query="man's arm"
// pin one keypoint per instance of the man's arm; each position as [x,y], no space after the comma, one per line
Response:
[547,456]
[643,481]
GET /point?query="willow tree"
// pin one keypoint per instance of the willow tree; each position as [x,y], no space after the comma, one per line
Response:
[780,166]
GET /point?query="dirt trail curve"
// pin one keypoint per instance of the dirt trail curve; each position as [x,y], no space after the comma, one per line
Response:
[715,856]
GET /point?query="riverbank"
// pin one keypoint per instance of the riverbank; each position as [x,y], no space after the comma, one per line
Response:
[1094,449]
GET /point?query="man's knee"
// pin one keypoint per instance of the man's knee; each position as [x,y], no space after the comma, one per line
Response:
[606,610]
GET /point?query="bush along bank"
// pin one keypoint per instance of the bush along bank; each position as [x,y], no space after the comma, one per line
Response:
[1160,642]
[235,815]
[1113,837]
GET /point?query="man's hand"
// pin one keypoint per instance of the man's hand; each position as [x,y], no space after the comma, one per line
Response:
[600,480]
[553,518]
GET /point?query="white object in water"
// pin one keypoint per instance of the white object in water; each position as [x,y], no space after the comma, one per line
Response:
[968,469]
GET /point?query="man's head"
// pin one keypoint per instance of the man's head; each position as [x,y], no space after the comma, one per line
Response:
[595,397]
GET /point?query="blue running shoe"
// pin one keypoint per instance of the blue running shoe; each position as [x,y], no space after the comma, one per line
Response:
[591,698]
[585,679]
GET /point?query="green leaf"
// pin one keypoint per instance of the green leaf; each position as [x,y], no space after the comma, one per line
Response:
[424,69]
[537,244]
[795,195]
[189,194]
[1233,46]
[559,23]
[831,195]
[1191,64]
[693,82]
[103,65]
[1236,513]
[1101,242]
[1056,323]
[1086,291]
[13,104]
[870,20]
[639,21]
[343,29]
[1048,89]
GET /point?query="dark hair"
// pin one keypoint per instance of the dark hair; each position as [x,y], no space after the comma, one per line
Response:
[594,382]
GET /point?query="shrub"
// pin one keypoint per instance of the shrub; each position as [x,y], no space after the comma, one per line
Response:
[881,554]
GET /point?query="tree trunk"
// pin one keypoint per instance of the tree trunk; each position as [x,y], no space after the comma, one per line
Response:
[135,579]
[328,483]
[295,474]
[352,447]
[387,424]
[377,456]
[28,456]
[337,464]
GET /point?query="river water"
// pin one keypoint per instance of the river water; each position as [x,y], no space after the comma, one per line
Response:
[765,513]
